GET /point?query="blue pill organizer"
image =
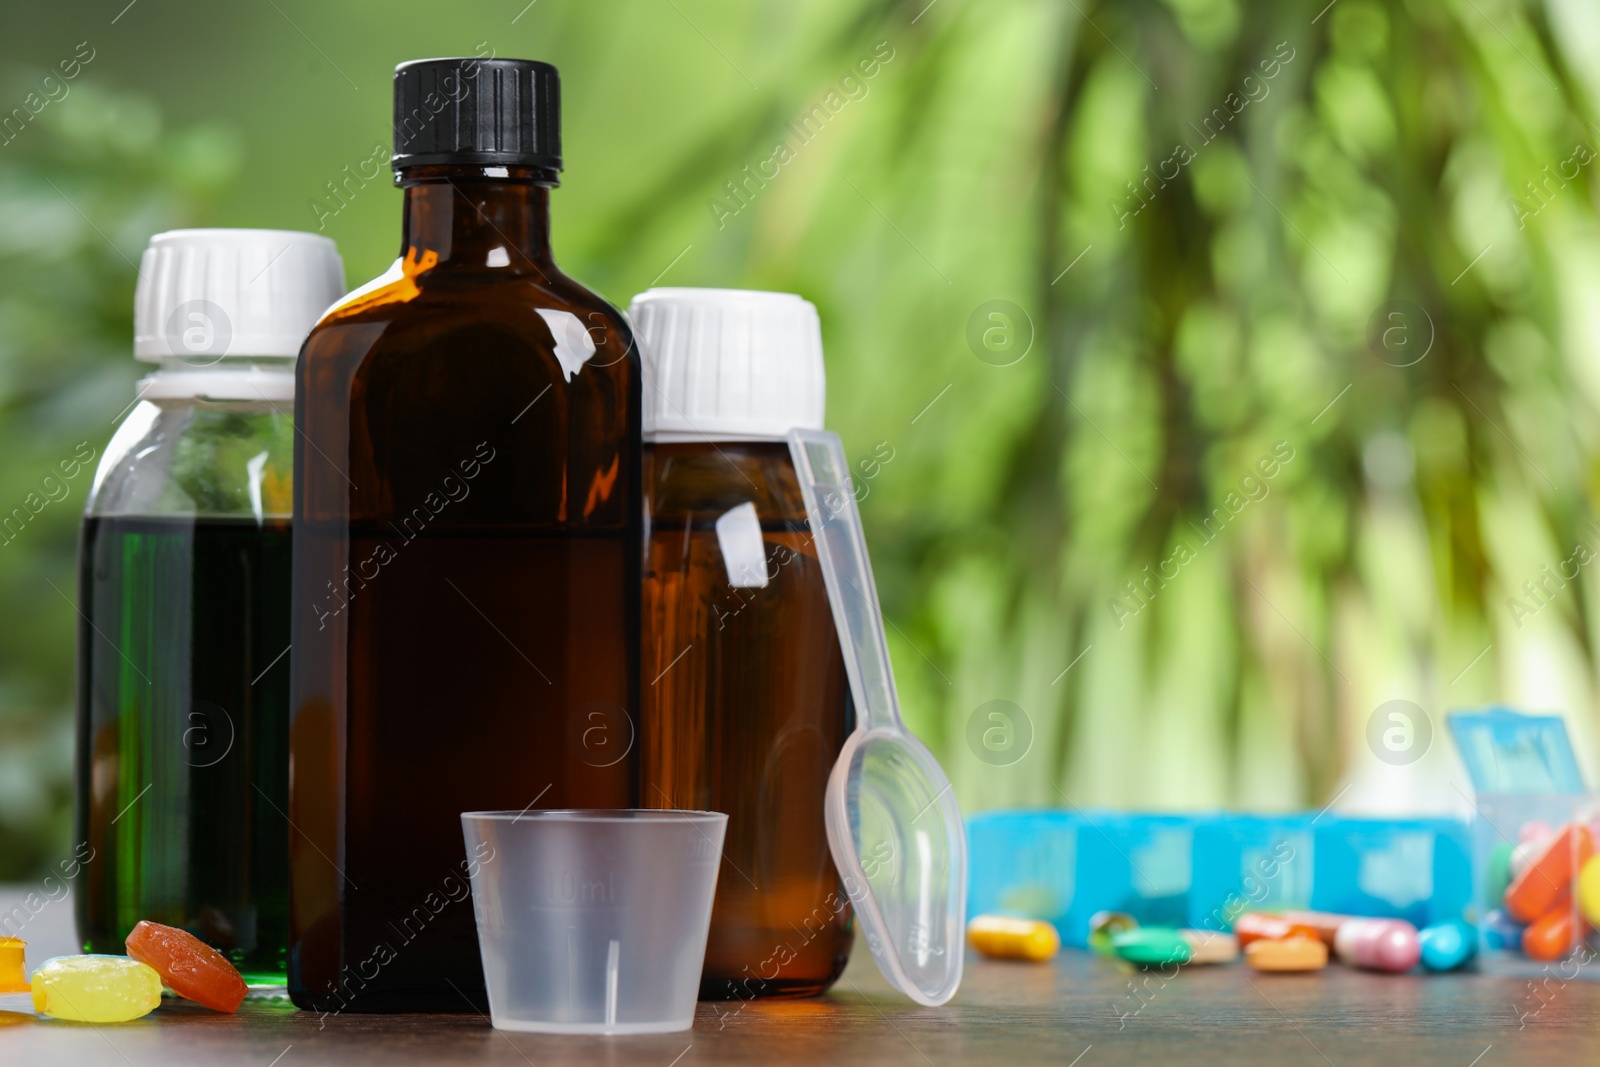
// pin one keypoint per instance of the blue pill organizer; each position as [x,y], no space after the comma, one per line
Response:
[1203,870]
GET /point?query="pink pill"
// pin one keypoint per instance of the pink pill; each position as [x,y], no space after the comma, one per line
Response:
[1534,832]
[1378,944]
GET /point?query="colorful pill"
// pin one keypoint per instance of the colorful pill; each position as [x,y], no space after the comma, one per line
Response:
[1534,830]
[1549,875]
[1258,925]
[1589,890]
[1447,945]
[1261,925]
[1152,946]
[1553,934]
[1500,933]
[1497,875]
[12,978]
[196,971]
[1003,938]
[1324,924]
[1286,954]
[1211,946]
[1379,944]
[1103,925]
[95,989]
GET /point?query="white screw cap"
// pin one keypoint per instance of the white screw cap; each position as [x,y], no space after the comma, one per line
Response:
[728,364]
[208,295]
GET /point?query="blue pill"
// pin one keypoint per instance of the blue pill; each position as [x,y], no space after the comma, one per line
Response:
[1501,933]
[1447,945]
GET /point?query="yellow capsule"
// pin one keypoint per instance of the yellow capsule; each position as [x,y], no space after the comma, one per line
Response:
[12,979]
[1211,946]
[1289,954]
[1003,938]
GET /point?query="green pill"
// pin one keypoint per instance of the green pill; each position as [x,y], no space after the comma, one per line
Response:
[1497,876]
[1151,946]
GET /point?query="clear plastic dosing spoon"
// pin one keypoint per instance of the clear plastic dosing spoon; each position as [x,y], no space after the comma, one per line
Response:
[893,825]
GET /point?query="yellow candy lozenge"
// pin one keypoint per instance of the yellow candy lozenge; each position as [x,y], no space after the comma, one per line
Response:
[1001,937]
[95,989]
[12,978]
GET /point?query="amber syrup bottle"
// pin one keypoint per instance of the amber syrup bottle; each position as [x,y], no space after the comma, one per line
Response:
[466,551]
[746,701]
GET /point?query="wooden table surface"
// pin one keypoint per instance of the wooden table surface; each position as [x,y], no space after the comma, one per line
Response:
[1081,1011]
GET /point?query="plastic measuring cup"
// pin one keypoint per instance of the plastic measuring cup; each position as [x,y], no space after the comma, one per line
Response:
[593,922]
[893,825]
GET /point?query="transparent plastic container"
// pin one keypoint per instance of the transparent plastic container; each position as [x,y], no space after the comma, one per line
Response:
[593,922]
[184,598]
[1534,833]
[1508,823]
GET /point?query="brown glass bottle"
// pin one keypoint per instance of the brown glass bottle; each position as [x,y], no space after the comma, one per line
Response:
[744,711]
[466,569]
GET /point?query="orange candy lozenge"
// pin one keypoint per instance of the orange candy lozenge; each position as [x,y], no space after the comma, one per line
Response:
[189,967]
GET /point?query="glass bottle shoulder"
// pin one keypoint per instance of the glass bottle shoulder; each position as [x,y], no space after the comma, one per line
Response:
[198,457]
[418,304]
[696,480]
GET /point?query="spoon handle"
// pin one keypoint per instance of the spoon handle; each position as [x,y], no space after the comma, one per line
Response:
[830,501]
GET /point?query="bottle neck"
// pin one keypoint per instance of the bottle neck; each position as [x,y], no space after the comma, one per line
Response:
[476,216]
[264,379]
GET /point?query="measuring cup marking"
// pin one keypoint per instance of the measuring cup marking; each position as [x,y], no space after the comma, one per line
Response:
[613,951]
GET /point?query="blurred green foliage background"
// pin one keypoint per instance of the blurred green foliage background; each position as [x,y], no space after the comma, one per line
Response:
[1295,304]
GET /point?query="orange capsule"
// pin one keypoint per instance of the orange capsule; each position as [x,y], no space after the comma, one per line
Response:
[1325,924]
[1262,925]
[1258,925]
[1548,878]
[1554,934]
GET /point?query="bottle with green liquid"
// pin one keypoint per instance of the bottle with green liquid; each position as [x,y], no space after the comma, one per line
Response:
[183,600]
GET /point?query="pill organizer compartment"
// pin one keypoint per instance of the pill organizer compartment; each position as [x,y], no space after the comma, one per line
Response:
[1527,784]
[1066,866]
[1025,863]
[1501,822]
[1139,864]
[1418,870]
[1250,863]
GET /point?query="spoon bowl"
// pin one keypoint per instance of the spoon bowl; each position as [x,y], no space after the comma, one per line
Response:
[889,807]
